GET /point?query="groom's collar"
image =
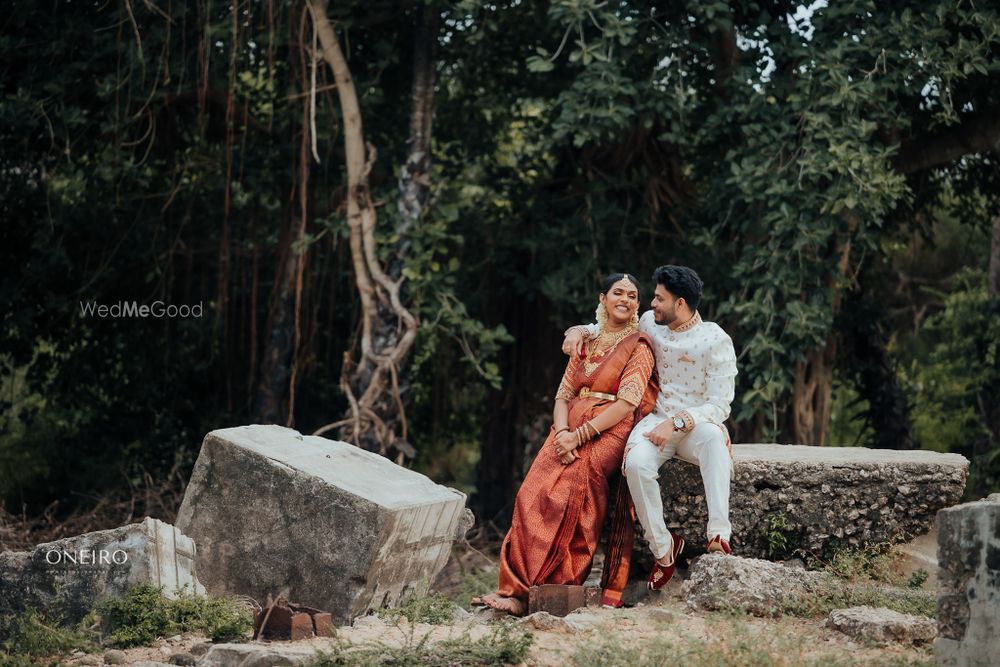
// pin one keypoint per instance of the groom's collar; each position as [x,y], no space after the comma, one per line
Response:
[690,324]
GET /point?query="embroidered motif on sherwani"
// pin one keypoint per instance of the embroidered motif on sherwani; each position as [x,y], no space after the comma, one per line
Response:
[559,510]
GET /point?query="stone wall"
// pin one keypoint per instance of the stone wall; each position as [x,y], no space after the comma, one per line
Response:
[826,498]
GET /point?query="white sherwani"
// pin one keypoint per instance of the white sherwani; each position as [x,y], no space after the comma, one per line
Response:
[696,364]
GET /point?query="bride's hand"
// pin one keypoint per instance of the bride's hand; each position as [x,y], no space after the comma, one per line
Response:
[565,443]
[568,458]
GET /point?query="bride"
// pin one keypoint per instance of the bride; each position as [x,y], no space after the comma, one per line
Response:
[559,510]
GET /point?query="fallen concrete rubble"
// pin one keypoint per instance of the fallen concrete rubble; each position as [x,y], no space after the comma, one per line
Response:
[344,529]
[70,576]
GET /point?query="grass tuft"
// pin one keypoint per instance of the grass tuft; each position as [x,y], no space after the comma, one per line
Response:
[145,613]
[506,645]
[432,608]
[32,633]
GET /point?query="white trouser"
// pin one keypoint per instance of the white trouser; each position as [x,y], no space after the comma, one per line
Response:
[704,446]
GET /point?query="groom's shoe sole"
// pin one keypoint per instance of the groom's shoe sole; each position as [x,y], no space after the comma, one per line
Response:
[661,575]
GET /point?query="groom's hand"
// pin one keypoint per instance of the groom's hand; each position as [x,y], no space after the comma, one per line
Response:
[573,342]
[661,435]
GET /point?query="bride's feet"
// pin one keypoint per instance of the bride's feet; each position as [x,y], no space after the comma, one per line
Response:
[511,606]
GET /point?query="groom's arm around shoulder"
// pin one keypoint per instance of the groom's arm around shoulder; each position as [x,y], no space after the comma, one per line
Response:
[646,326]
[720,379]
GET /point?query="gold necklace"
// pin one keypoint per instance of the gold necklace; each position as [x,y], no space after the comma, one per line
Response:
[605,342]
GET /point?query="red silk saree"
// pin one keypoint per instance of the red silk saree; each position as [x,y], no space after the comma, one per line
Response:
[560,509]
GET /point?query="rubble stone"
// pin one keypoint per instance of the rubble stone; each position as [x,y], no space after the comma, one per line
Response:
[882,626]
[326,523]
[543,621]
[759,587]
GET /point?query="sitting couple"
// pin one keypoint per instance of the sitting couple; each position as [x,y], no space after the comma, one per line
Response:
[610,415]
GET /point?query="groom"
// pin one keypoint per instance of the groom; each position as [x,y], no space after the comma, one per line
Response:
[696,364]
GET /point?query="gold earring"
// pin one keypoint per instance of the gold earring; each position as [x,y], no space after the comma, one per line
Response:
[602,316]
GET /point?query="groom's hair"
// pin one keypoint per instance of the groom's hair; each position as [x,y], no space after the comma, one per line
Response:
[608,282]
[680,281]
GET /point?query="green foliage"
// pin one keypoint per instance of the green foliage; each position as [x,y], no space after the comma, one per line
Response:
[767,148]
[505,645]
[34,634]
[917,579]
[869,563]
[777,533]
[841,595]
[145,613]
[952,384]
[432,608]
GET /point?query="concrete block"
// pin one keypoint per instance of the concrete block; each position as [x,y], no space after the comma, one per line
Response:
[325,523]
[69,576]
[968,603]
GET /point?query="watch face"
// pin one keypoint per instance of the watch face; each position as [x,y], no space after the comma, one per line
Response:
[678,422]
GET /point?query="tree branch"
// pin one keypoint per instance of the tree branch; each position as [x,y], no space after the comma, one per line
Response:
[976,134]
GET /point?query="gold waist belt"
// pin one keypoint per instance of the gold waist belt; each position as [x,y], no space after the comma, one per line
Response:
[585,392]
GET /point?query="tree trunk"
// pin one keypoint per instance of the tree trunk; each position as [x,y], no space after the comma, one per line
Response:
[414,178]
[369,378]
[275,397]
[875,374]
[276,366]
[991,402]
[813,391]
[994,275]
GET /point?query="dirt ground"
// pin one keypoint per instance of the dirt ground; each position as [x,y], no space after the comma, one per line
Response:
[788,641]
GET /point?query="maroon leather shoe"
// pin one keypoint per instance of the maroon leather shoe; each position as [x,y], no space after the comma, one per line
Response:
[660,575]
[719,544]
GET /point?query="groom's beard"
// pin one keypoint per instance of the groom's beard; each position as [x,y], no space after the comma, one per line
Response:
[664,318]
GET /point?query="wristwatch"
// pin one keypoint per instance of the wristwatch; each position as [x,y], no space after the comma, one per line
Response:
[679,424]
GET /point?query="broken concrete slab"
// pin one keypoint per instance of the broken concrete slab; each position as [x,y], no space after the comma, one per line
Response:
[70,576]
[259,655]
[795,498]
[326,523]
[882,626]
[968,603]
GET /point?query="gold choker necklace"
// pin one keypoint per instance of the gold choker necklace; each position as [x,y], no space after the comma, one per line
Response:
[604,343]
